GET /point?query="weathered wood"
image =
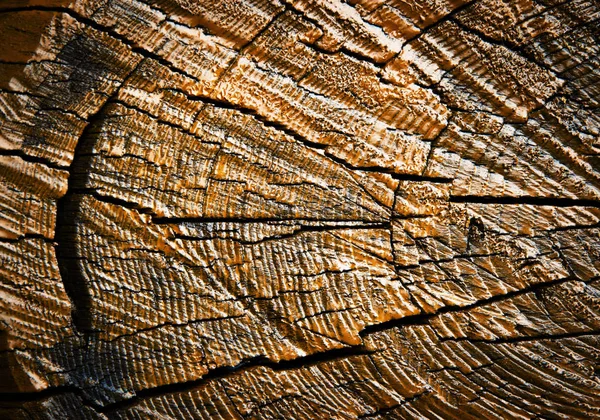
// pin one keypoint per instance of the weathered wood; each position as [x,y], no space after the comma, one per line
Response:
[300,209]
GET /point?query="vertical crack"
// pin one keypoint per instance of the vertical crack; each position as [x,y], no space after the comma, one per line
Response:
[90,68]
[67,213]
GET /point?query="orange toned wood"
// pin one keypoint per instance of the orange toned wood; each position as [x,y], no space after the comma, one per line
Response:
[299,209]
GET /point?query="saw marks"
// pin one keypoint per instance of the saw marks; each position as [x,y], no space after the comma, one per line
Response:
[299,209]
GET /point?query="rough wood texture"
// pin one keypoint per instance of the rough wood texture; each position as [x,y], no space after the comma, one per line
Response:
[300,209]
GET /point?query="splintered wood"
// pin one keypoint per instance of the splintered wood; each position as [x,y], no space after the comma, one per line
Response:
[300,209]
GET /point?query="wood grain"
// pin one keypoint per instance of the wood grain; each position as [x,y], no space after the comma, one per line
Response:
[300,209]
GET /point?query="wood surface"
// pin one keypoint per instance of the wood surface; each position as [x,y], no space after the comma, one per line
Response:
[289,209]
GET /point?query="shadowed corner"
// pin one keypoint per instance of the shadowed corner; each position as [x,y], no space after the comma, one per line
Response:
[13,378]
[8,379]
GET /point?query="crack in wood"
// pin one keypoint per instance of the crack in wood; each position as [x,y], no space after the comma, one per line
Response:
[548,269]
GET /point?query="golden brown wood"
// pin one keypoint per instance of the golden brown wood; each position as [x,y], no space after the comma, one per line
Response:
[299,209]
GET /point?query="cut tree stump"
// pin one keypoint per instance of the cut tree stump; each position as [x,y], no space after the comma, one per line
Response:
[300,209]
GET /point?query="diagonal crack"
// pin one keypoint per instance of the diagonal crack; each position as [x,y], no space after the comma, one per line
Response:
[423,319]
[334,354]
[245,365]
